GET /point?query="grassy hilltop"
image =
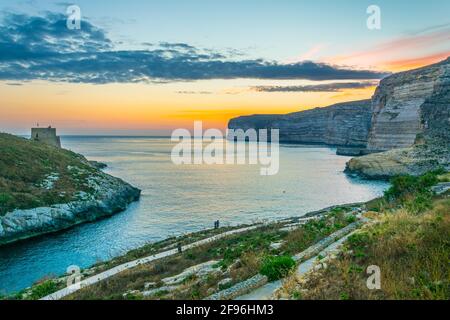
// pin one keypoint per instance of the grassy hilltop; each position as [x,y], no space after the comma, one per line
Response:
[409,240]
[33,174]
[45,189]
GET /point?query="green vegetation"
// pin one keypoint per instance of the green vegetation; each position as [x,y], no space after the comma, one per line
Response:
[315,230]
[154,248]
[239,257]
[411,192]
[248,248]
[277,267]
[42,289]
[409,242]
[26,165]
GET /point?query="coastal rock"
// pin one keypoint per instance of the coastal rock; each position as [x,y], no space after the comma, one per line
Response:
[411,110]
[343,124]
[45,189]
[111,195]
[400,103]
[398,162]
[408,116]
[98,165]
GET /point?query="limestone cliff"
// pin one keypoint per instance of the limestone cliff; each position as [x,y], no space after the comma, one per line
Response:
[400,103]
[412,118]
[343,124]
[45,189]
[407,120]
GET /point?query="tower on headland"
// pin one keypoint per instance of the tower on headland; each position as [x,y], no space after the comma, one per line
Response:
[46,135]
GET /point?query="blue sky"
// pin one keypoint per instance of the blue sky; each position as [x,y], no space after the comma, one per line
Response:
[260,28]
[143,66]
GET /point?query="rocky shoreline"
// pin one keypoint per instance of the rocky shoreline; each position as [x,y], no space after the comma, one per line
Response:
[403,129]
[45,189]
[112,196]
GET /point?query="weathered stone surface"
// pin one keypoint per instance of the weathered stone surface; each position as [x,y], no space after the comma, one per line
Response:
[420,100]
[400,105]
[111,195]
[413,161]
[199,270]
[240,288]
[409,111]
[351,151]
[343,124]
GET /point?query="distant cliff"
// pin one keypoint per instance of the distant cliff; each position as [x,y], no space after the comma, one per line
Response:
[343,124]
[404,129]
[45,189]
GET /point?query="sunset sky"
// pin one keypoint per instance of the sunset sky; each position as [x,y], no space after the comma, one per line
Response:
[148,67]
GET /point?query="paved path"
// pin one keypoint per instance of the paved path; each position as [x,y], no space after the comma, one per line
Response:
[266,291]
[132,264]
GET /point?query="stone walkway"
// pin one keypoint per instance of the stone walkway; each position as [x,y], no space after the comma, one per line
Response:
[266,291]
[132,264]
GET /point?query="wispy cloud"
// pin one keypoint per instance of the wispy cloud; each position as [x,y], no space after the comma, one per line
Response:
[415,49]
[41,47]
[309,55]
[328,87]
[194,92]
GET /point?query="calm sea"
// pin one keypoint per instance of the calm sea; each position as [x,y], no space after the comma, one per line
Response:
[181,199]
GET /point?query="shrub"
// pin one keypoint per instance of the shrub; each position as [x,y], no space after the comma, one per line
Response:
[43,289]
[350,219]
[403,185]
[276,267]
[420,203]
[4,198]
[413,192]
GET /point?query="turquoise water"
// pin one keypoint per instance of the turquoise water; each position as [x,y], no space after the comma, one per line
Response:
[181,199]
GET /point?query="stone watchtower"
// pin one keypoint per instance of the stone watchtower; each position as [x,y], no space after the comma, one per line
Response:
[46,135]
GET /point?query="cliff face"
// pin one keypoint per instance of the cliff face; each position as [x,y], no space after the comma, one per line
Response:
[411,113]
[344,124]
[406,126]
[45,189]
[400,105]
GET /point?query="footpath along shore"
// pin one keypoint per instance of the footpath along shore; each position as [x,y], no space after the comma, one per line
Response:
[62,293]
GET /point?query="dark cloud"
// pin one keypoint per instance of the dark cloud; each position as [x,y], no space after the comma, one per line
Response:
[328,87]
[42,47]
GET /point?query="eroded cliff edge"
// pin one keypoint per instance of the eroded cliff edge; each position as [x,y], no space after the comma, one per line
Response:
[410,124]
[403,129]
[45,189]
[344,124]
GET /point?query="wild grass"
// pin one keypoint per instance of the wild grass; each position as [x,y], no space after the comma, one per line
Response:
[411,250]
[157,247]
[227,251]
[240,257]
[277,267]
[410,245]
[25,164]
[315,230]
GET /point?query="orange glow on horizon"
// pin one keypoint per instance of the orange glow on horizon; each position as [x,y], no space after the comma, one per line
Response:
[85,107]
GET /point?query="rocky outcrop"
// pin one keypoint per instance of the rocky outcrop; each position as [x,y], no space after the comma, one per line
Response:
[404,129]
[110,195]
[413,161]
[412,113]
[343,124]
[401,106]
[45,189]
